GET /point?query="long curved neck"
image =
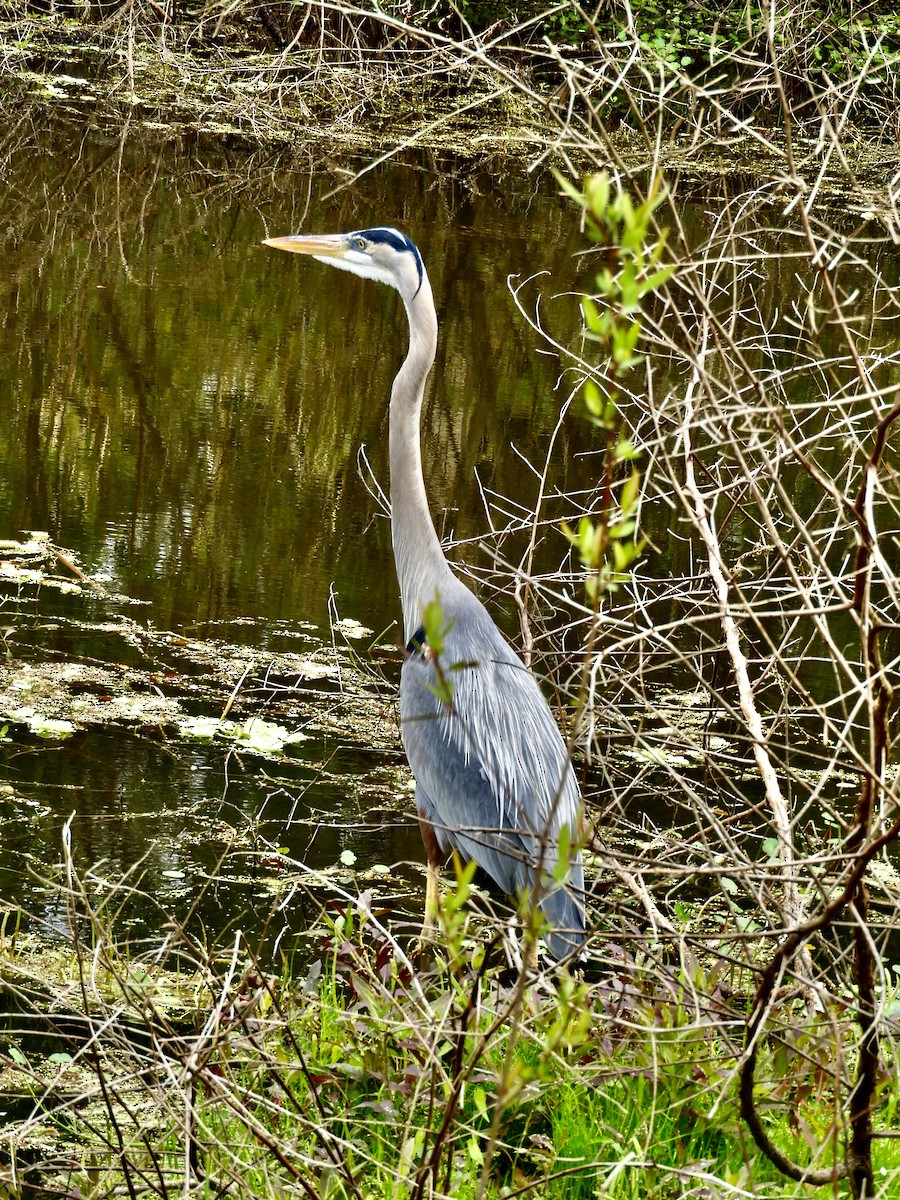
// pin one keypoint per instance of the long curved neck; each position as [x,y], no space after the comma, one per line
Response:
[422,569]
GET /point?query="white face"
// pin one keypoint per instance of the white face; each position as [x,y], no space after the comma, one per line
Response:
[383,254]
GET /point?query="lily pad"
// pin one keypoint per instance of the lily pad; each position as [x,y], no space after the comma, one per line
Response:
[349,628]
[256,734]
[41,726]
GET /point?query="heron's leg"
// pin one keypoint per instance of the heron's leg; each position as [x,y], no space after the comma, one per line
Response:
[433,873]
[432,896]
[531,956]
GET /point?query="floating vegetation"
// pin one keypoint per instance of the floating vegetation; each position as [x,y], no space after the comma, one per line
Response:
[254,734]
[41,726]
[36,562]
[349,628]
[164,683]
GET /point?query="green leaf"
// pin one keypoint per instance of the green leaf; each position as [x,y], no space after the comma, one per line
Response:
[655,281]
[596,193]
[623,358]
[443,689]
[563,855]
[464,664]
[607,286]
[624,210]
[457,899]
[620,530]
[625,338]
[593,398]
[630,491]
[569,189]
[625,451]
[592,316]
[623,555]
[435,629]
[630,552]
[629,291]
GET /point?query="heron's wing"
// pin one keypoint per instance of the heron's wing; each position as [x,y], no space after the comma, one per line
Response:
[491,762]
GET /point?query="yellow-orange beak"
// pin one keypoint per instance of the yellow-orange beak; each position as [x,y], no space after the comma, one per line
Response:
[322,245]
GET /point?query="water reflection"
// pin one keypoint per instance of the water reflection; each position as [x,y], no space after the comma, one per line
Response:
[166,816]
[185,409]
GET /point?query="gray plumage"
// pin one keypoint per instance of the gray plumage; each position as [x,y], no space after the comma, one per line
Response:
[493,777]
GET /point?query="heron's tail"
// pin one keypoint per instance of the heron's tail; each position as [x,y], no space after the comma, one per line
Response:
[564,910]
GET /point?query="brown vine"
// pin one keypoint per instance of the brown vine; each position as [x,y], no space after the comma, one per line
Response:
[857,1166]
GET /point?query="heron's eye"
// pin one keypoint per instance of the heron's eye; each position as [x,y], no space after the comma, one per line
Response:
[361,243]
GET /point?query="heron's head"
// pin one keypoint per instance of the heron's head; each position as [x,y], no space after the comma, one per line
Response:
[384,254]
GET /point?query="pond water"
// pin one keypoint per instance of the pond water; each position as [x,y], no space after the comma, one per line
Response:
[185,409]
[202,422]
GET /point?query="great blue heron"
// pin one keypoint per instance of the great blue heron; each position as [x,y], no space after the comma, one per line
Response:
[493,777]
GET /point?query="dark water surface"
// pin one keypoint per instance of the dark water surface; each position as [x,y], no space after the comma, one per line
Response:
[185,407]
[184,410]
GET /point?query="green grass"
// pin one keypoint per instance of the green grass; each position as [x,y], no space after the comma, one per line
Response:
[499,1089]
[360,1078]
